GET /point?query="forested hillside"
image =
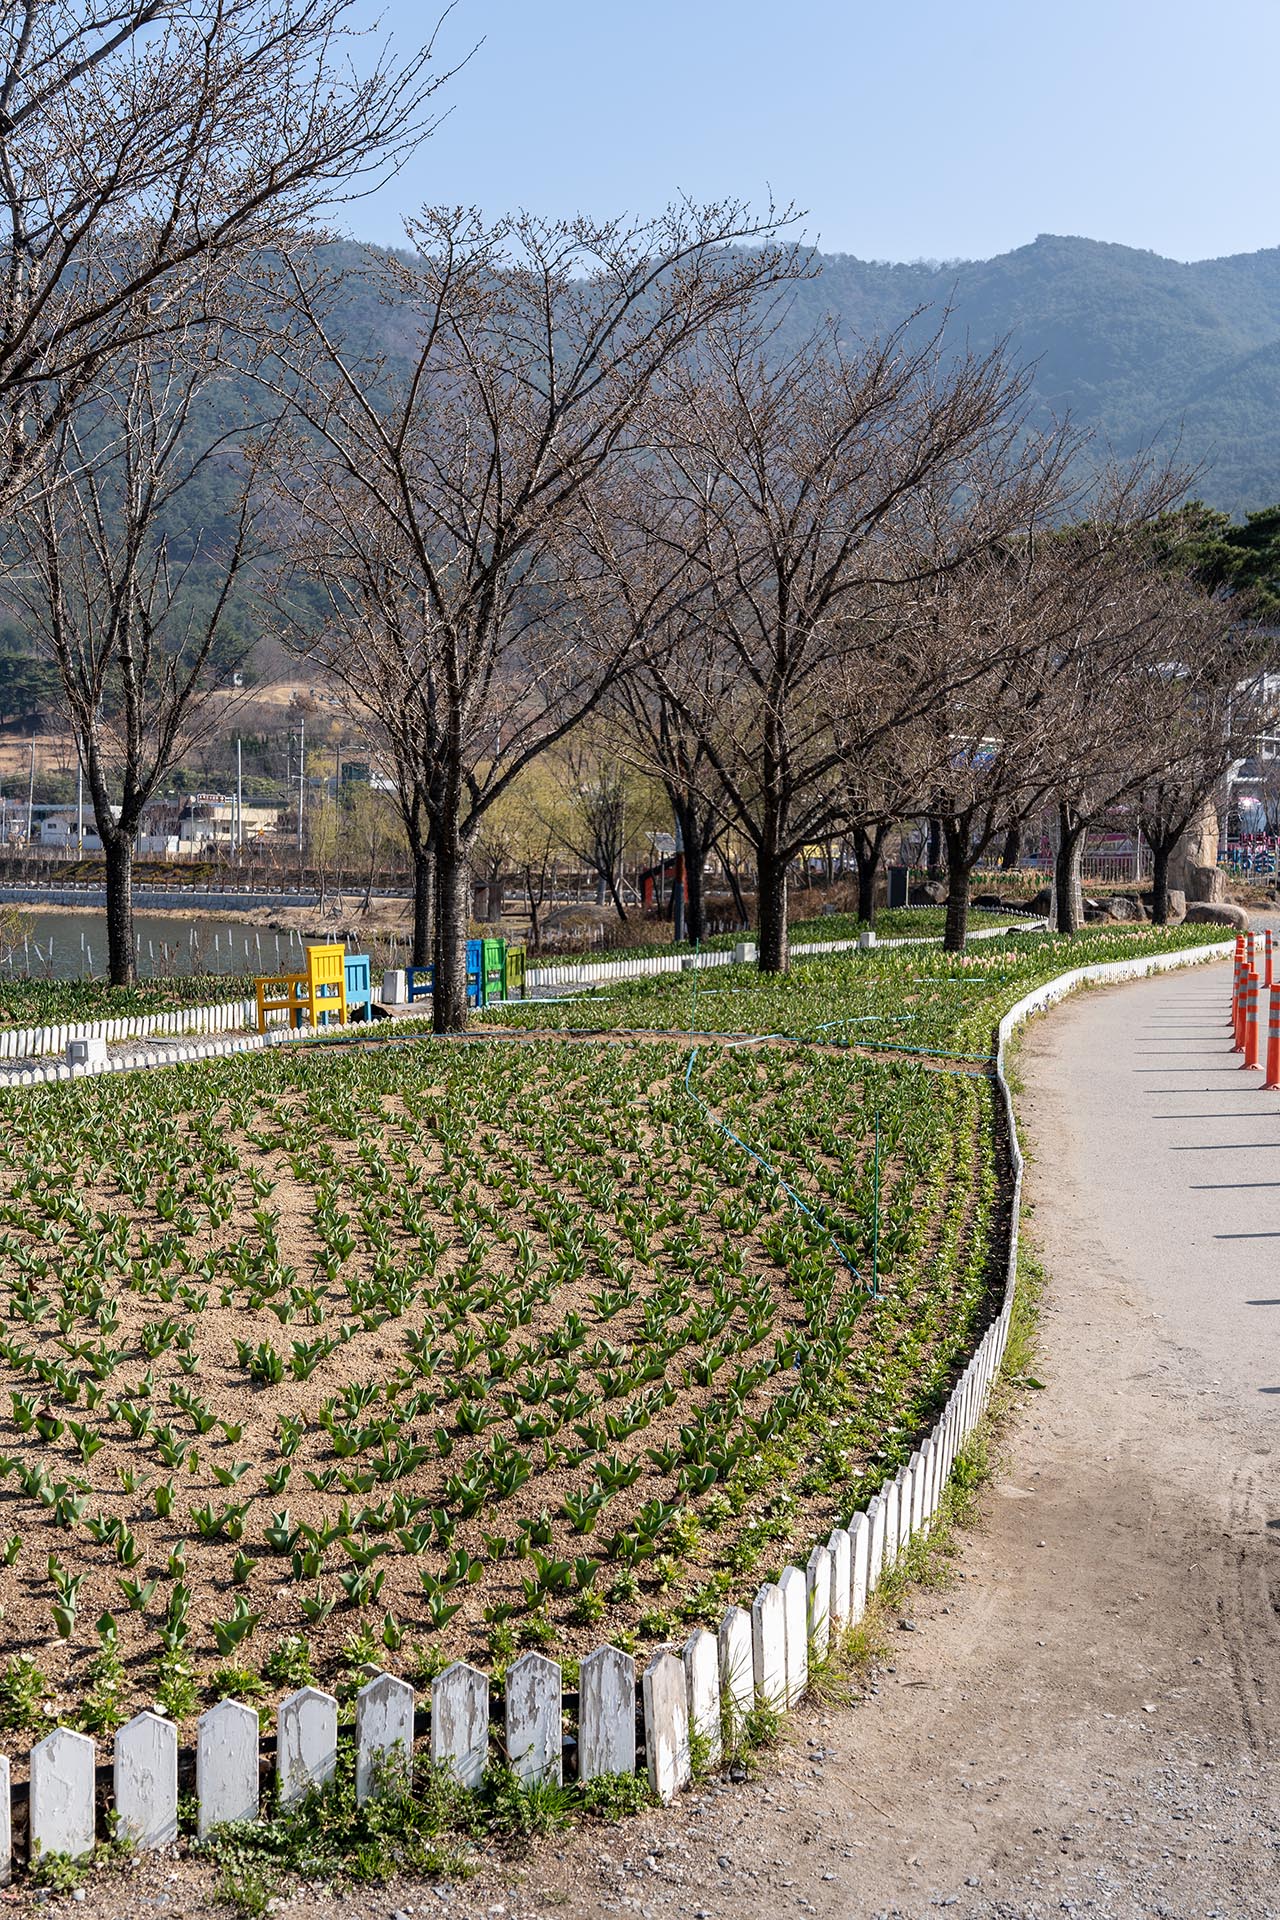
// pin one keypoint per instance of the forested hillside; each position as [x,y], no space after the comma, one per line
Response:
[1138,348]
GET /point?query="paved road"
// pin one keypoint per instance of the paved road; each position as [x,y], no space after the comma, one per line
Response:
[1169,1142]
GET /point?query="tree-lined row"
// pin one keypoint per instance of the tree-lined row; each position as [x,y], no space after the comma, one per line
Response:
[810,590]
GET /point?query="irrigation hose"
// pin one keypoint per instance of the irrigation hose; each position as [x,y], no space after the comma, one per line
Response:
[751,1153]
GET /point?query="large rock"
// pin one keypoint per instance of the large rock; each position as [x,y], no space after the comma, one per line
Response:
[1193,864]
[928,893]
[1122,906]
[1217,913]
[1203,884]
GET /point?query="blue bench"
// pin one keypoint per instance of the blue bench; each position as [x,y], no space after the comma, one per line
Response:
[419,980]
[359,987]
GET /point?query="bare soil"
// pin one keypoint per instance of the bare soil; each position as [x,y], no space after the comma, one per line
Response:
[1087,1721]
[294,1145]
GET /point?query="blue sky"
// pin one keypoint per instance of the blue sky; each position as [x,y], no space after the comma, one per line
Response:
[906,130]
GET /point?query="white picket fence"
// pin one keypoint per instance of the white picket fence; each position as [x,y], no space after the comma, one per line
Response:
[234,1016]
[757,1656]
[21,1043]
[761,1656]
[568,973]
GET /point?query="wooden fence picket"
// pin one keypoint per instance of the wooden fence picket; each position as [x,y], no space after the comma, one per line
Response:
[606,1713]
[226,1765]
[384,1732]
[460,1722]
[62,1777]
[306,1743]
[666,1726]
[145,1781]
[535,1719]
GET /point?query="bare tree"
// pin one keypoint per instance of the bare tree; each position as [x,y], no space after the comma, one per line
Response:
[372,828]
[136,608]
[593,812]
[441,509]
[1032,647]
[146,144]
[522,835]
[883,782]
[1206,706]
[789,488]
[990,743]
[1114,616]
[657,739]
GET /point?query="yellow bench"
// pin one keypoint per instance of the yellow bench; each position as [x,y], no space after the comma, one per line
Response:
[316,997]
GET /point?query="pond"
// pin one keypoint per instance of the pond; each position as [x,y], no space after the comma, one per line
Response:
[73,946]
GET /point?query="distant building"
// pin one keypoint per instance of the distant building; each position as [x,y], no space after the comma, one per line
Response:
[210,820]
[60,832]
[169,828]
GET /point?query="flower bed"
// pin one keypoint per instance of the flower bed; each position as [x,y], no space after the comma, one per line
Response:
[412,1351]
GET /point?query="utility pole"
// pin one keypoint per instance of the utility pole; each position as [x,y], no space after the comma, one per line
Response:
[677,887]
[302,784]
[239,796]
[31,789]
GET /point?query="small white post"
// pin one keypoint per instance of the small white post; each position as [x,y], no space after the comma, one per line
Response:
[859,1557]
[62,1781]
[145,1778]
[769,1646]
[795,1602]
[889,1502]
[306,1742]
[700,1657]
[384,1733]
[905,1482]
[737,1665]
[534,1719]
[606,1713]
[817,1579]
[838,1547]
[226,1765]
[6,1824]
[666,1726]
[875,1560]
[460,1721]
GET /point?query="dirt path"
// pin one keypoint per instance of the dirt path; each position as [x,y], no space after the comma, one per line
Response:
[1088,1720]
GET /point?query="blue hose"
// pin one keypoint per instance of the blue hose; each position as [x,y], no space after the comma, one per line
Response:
[750,1152]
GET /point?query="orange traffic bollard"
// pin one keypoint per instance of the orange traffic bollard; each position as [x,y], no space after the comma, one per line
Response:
[1239,975]
[1269,978]
[1252,1054]
[1272,1081]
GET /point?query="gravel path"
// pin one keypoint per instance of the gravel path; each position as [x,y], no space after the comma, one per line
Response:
[1087,1720]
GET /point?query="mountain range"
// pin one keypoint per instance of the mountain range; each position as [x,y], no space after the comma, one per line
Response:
[1140,350]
